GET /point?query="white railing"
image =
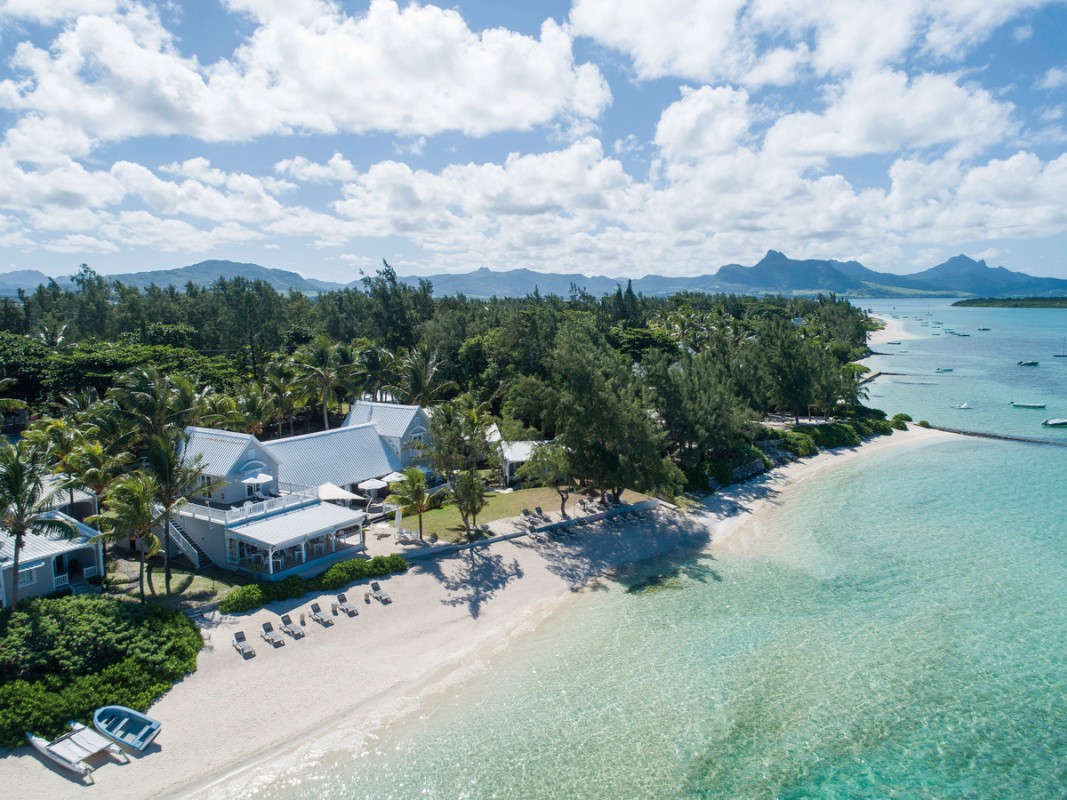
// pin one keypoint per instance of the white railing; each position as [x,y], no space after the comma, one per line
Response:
[179,538]
[295,496]
[89,572]
[62,580]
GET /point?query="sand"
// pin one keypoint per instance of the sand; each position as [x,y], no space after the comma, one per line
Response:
[339,684]
[892,332]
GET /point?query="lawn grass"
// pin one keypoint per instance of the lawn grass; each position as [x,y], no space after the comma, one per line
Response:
[188,589]
[448,526]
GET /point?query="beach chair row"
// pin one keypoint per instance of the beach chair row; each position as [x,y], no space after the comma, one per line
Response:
[274,636]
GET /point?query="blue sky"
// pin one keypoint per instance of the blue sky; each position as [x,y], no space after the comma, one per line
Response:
[619,137]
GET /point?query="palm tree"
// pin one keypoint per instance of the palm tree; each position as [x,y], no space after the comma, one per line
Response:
[132,512]
[376,364]
[57,439]
[175,479]
[417,381]
[318,365]
[24,501]
[155,401]
[411,495]
[94,468]
[287,396]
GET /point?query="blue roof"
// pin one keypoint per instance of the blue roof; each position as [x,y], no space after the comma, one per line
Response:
[220,451]
[392,419]
[342,456]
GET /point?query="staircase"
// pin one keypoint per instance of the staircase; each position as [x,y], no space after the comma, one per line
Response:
[190,549]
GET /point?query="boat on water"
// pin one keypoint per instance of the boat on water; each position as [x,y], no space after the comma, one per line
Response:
[71,750]
[1027,363]
[125,726]
[892,342]
[1027,405]
[1059,422]
[983,329]
[944,369]
[963,406]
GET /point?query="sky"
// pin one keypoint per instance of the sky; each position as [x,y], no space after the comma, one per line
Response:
[604,137]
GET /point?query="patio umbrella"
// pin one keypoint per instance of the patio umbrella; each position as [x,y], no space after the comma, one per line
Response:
[395,477]
[262,477]
[331,491]
[372,484]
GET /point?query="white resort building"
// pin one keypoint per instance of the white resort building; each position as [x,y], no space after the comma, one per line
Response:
[49,562]
[263,506]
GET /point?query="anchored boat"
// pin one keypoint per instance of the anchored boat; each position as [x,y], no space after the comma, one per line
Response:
[1027,405]
[1055,423]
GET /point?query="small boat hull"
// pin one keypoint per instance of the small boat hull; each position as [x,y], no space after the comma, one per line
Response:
[1027,363]
[1055,423]
[126,727]
[1028,405]
[43,746]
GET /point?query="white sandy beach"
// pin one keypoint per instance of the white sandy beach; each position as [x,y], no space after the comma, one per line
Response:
[892,332]
[339,684]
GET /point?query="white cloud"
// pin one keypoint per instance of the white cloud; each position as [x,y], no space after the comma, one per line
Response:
[307,67]
[885,112]
[80,243]
[1022,33]
[706,121]
[713,40]
[51,11]
[338,168]
[1053,79]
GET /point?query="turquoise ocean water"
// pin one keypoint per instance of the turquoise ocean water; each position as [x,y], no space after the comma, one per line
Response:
[906,639]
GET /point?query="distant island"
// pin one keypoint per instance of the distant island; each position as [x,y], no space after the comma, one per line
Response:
[1013,302]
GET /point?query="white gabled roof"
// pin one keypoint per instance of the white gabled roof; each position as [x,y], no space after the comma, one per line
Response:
[342,456]
[220,451]
[37,546]
[293,527]
[519,452]
[393,420]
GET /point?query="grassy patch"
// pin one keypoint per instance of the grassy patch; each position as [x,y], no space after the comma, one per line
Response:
[188,589]
[448,526]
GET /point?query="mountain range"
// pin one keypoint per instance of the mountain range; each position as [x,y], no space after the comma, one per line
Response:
[775,273]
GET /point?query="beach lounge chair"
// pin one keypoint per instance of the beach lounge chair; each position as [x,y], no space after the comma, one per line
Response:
[379,595]
[272,636]
[242,645]
[290,628]
[345,606]
[539,513]
[319,617]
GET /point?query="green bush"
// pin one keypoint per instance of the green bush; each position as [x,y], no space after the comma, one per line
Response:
[899,421]
[345,572]
[923,423]
[61,658]
[243,598]
[800,445]
[902,417]
[835,434]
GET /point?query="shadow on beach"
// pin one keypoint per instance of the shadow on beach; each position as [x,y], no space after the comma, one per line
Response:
[473,576]
[624,553]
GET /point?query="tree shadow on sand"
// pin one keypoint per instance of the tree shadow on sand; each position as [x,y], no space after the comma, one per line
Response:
[588,554]
[473,577]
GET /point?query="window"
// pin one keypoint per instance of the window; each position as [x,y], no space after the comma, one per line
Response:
[28,577]
[205,481]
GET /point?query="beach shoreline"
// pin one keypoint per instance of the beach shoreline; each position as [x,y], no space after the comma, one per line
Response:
[339,685]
